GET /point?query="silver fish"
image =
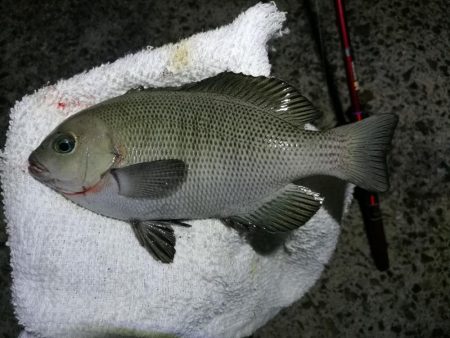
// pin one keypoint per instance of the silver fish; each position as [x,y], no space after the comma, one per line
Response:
[228,147]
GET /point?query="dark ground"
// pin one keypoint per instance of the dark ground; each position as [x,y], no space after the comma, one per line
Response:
[402,50]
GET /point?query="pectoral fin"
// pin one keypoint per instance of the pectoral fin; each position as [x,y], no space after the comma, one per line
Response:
[292,207]
[153,180]
[157,237]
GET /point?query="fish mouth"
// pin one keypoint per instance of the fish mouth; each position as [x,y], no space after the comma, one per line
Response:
[36,168]
[38,171]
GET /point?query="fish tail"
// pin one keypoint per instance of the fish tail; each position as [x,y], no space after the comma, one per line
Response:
[364,157]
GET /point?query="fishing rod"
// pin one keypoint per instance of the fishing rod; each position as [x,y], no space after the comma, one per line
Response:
[369,202]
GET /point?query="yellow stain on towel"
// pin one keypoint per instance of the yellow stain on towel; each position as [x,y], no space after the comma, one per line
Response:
[179,58]
[254,266]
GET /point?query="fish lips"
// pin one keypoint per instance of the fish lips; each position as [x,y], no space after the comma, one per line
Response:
[39,172]
[37,169]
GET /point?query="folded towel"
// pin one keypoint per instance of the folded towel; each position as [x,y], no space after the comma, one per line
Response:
[78,274]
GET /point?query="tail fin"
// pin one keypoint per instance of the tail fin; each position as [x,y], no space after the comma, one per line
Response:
[364,160]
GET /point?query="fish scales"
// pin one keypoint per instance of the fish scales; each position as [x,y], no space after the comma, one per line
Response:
[234,151]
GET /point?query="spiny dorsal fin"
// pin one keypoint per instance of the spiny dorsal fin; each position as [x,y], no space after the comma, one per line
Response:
[270,94]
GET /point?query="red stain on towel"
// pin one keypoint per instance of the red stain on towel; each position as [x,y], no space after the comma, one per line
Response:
[61,105]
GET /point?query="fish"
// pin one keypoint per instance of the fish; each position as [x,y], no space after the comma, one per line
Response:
[229,147]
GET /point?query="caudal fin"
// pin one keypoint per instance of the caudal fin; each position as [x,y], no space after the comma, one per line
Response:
[364,160]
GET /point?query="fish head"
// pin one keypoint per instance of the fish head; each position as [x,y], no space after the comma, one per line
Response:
[75,156]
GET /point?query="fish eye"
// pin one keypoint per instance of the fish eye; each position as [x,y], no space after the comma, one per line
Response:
[64,144]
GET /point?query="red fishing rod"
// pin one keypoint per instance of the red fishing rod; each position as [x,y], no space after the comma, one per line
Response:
[368,201]
[352,81]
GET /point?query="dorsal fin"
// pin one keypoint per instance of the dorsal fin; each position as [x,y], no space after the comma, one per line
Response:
[268,93]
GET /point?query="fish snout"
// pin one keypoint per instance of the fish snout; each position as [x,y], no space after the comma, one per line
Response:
[35,167]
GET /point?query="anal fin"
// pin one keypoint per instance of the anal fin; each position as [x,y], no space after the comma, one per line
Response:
[289,209]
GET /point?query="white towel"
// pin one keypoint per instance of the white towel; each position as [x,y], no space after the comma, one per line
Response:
[78,274]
